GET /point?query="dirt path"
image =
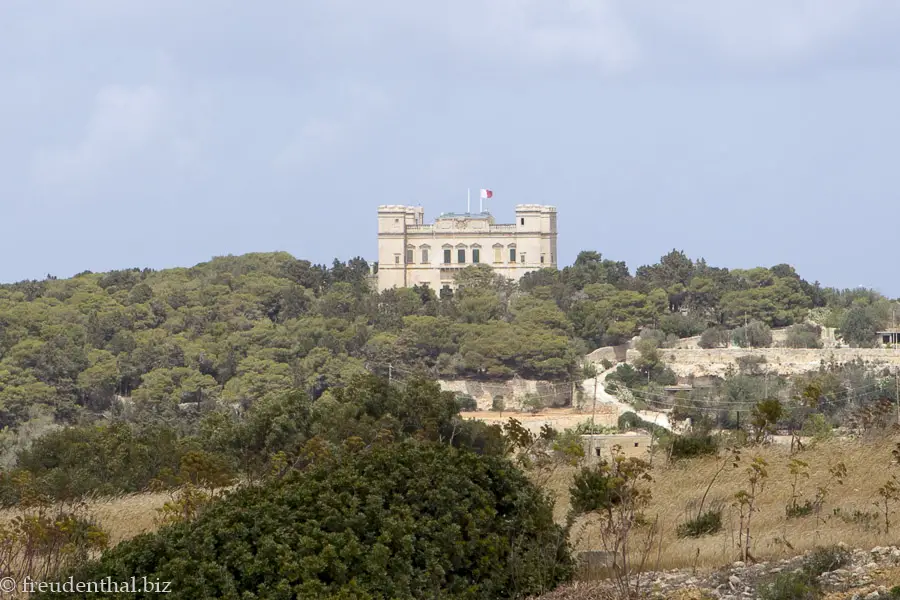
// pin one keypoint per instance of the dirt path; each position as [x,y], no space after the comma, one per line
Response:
[558,418]
[651,416]
[609,409]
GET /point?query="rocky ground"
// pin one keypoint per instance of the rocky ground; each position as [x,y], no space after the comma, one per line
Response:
[865,575]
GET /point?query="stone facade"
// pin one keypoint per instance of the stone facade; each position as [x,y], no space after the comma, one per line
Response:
[411,252]
[512,391]
[691,364]
[601,446]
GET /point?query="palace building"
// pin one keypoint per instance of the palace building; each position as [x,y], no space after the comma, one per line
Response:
[411,252]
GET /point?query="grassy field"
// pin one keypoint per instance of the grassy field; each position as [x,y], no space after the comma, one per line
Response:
[122,517]
[677,489]
[558,418]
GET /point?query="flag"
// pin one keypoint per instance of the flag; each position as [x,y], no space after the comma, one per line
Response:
[486,193]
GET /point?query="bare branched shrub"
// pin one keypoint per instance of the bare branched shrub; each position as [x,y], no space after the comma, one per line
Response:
[615,492]
[888,495]
[799,470]
[543,454]
[43,539]
[746,502]
[201,478]
[709,522]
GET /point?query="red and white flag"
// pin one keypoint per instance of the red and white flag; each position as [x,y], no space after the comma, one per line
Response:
[486,193]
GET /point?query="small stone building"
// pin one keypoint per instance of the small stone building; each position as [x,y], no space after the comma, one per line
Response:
[635,444]
[890,337]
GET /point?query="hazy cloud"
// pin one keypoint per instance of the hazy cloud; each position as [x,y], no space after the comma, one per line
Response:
[124,122]
[319,139]
[615,35]
[749,31]
[584,32]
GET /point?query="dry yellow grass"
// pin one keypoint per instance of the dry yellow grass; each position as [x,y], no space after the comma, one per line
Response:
[676,489]
[122,517]
[558,418]
[127,516]
[888,577]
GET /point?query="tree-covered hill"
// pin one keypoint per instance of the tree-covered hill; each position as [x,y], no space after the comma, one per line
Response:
[238,329]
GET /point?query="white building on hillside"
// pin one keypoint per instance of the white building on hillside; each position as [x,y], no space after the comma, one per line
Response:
[411,252]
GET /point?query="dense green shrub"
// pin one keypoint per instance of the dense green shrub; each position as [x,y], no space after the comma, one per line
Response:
[866,520]
[791,586]
[714,337]
[804,335]
[595,489]
[756,335]
[817,427]
[803,584]
[692,446]
[630,421]
[466,403]
[401,521]
[654,335]
[105,459]
[109,459]
[681,325]
[826,558]
[708,523]
[627,375]
[796,511]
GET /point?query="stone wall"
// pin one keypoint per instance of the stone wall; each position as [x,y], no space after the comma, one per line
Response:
[781,361]
[513,392]
[613,354]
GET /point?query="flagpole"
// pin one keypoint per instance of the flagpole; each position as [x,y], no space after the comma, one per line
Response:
[480,202]
[468,200]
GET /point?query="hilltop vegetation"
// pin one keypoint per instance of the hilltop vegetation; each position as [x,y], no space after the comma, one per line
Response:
[238,329]
[155,366]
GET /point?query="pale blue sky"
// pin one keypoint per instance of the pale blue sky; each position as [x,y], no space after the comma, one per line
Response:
[160,133]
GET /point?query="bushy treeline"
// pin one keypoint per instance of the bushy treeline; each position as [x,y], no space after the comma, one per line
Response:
[854,394]
[681,297]
[223,445]
[239,329]
[375,490]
